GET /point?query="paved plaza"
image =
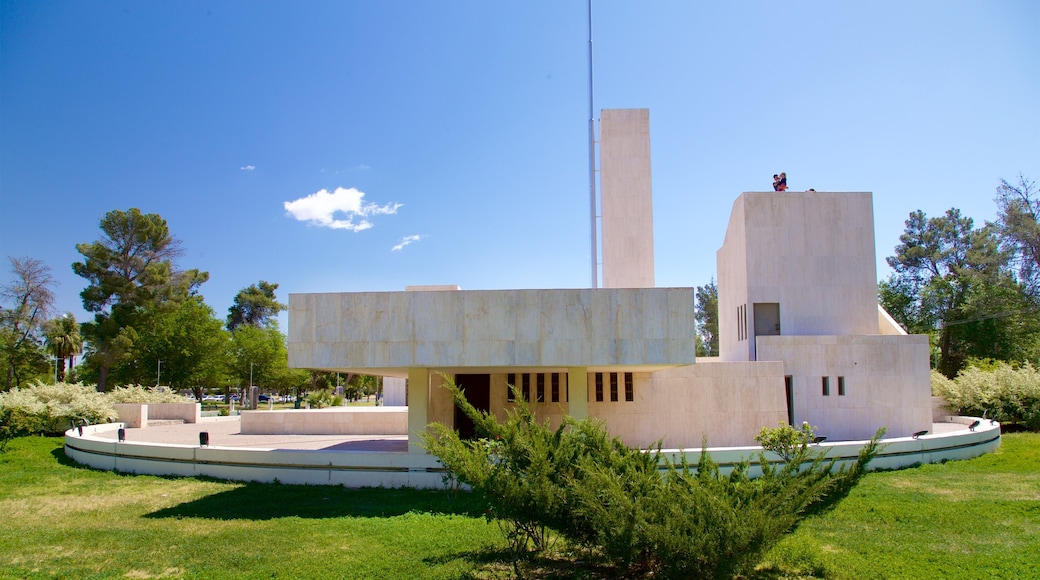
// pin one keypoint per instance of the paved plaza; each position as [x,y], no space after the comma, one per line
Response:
[226,432]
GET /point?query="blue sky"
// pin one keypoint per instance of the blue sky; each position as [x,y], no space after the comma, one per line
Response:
[452,135]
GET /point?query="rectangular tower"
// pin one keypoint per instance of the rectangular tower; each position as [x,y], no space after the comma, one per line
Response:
[627,205]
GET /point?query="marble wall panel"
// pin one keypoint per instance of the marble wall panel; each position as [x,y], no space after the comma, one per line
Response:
[494,328]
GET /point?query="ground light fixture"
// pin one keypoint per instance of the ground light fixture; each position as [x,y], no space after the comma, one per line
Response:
[919,433]
[122,435]
[203,439]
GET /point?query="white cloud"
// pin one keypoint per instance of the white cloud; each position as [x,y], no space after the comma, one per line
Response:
[405,241]
[343,209]
[247,167]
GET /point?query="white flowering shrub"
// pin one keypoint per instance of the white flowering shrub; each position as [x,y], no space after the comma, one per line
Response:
[1004,393]
[57,406]
[140,394]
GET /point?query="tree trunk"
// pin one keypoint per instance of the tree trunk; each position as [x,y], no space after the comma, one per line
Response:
[102,377]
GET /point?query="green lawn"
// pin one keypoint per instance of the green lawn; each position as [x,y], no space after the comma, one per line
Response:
[965,519]
[961,519]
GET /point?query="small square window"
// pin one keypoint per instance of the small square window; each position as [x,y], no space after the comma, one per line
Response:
[826,386]
[841,386]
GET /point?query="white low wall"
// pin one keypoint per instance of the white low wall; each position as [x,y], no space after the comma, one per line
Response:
[895,453]
[419,470]
[330,421]
[137,415]
[134,415]
[350,469]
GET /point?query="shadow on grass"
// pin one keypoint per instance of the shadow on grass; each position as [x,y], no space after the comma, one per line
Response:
[59,455]
[266,501]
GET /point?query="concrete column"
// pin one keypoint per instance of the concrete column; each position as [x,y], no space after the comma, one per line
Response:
[418,406]
[578,392]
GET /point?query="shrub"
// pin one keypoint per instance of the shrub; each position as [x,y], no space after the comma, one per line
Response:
[57,406]
[16,422]
[324,398]
[785,440]
[614,501]
[140,394]
[1006,394]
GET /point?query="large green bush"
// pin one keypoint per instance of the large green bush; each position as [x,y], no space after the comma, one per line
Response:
[1004,393]
[57,406]
[630,507]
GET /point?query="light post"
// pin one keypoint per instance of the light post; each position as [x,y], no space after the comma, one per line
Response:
[249,394]
[158,374]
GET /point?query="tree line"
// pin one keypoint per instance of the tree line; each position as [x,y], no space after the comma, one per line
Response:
[150,323]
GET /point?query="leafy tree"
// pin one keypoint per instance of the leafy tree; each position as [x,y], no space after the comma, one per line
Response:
[64,341]
[1018,228]
[951,281]
[29,301]
[262,351]
[255,306]
[131,272]
[707,316]
[191,343]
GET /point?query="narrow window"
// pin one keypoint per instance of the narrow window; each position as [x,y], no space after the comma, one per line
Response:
[599,387]
[527,387]
[541,387]
[841,386]
[556,387]
[826,386]
[630,393]
[789,391]
[740,336]
[510,383]
[613,387]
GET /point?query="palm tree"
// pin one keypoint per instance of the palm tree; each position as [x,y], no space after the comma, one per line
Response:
[64,341]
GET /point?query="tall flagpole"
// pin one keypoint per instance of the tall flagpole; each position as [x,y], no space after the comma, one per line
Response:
[592,164]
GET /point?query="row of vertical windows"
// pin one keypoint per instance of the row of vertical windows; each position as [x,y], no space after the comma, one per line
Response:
[827,386]
[539,387]
[613,382]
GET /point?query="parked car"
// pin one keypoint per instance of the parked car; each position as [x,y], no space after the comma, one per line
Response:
[264,398]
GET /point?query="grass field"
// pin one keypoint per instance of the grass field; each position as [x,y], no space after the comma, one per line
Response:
[966,519]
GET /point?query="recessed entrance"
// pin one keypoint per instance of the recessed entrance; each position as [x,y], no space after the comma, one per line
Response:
[477,389]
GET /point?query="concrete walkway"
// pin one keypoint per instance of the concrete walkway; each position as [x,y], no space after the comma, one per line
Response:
[226,432]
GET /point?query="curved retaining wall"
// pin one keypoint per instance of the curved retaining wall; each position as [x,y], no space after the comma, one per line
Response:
[419,470]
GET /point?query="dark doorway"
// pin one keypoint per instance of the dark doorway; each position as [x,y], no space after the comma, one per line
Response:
[477,389]
[789,391]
